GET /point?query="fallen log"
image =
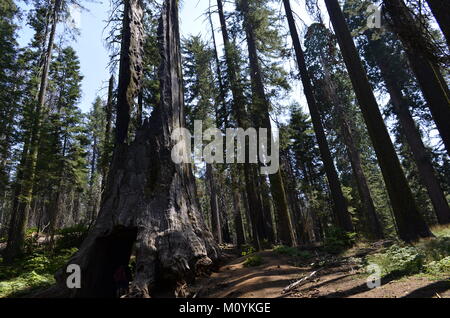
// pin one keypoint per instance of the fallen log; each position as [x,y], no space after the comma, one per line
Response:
[298,283]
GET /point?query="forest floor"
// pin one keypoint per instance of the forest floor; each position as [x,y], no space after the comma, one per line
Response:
[336,276]
[419,270]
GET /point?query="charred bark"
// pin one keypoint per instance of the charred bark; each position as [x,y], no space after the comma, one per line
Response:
[150,202]
[130,69]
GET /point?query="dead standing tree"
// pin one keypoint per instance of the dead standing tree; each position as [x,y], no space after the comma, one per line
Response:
[149,200]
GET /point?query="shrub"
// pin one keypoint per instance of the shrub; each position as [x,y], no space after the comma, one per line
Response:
[399,260]
[441,231]
[31,230]
[337,240]
[428,256]
[435,249]
[247,250]
[252,261]
[71,237]
[441,267]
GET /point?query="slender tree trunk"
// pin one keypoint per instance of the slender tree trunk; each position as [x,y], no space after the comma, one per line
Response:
[412,134]
[221,115]
[255,205]
[23,200]
[340,210]
[433,85]
[410,222]
[264,194]
[284,226]
[57,204]
[293,199]
[226,234]
[354,155]
[238,226]
[441,12]
[108,131]
[216,227]
[249,229]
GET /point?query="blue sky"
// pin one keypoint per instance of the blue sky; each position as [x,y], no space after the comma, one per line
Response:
[89,44]
[93,54]
[90,48]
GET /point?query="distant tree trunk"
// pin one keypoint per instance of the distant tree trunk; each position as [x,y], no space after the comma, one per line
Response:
[293,199]
[216,227]
[284,226]
[238,226]
[24,193]
[412,134]
[255,205]
[264,194]
[221,114]
[373,222]
[354,155]
[108,131]
[226,234]
[149,200]
[248,230]
[410,222]
[441,12]
[340,210]
[433,85]
[57,204]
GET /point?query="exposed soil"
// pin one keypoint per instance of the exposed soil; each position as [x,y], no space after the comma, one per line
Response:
[336,277]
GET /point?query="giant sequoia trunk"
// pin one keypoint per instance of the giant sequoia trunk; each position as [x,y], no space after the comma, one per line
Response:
[339,204]
[411,225]
[426,69]
[150,202]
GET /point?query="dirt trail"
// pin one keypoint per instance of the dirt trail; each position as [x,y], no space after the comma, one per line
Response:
[342,277]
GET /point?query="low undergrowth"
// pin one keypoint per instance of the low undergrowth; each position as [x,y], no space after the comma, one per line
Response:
[337,240]
[36,268]
[33,271]
[428,256]
[254,260]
